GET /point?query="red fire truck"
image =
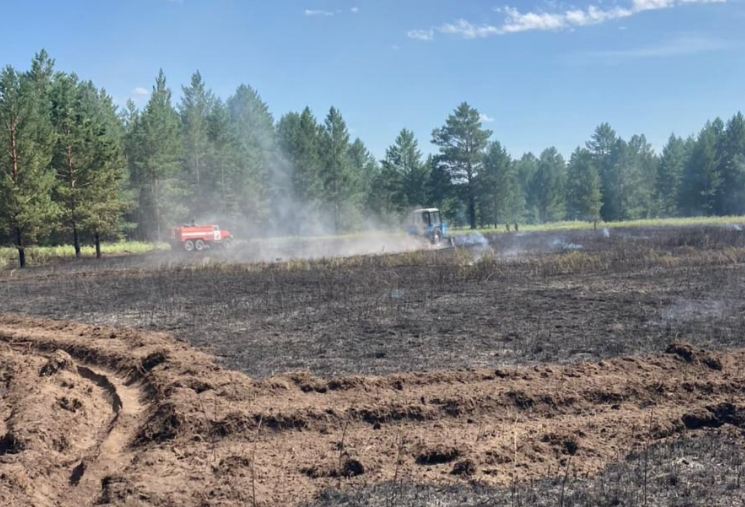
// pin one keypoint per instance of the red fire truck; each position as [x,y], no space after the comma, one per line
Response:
[194,237]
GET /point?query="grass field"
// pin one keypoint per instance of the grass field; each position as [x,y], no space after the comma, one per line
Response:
[41,255]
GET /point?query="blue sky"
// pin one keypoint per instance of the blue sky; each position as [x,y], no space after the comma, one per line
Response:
[541,72]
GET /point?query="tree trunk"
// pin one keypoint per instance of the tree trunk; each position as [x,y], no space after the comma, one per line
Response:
[472,209]
[21,250]
[73,203]
[157,207]
[97,240]
[76,240]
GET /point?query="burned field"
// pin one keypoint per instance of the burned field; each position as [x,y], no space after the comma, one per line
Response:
[521,300]
[585,368]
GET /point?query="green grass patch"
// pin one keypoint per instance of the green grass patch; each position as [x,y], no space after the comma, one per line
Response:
[41,255]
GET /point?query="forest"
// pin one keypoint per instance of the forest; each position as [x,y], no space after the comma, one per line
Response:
[76,168]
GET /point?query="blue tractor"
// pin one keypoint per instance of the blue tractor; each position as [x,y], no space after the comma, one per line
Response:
[427,223]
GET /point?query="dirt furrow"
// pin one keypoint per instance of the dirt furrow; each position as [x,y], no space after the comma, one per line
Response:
[191,433]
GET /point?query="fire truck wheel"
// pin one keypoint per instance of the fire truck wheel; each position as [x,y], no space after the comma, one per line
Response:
[189,246]
[199,245]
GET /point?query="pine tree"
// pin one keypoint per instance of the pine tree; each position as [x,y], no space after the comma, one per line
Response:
[194,109]
[105,195]
[525,170]
[701,178]
[584,197]
[222,157]
[341,183]
[669,174]
[496,183]
[76,117]
[548,186]
[640,174]
[366,168]
[300,138]
[155,156]
[732,167]
[253,179]
[462,141]
[441,193]
[26,140]
[406,173]
[606,149]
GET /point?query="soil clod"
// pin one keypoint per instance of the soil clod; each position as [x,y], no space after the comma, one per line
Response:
[59,361]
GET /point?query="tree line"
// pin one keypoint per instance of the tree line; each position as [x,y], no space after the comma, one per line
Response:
[76,168]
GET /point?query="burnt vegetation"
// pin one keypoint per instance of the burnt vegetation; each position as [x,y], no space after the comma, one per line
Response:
[523,299]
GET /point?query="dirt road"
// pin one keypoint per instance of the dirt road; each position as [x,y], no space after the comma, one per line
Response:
[93,415]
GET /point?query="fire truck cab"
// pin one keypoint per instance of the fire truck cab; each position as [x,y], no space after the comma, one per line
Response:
[191,238]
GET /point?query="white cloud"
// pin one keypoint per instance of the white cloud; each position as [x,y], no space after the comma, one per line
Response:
[311,12]
[354,10]
[679,46]
[516,21]
[425,35]
[467,30]
[486,118]
[140,91]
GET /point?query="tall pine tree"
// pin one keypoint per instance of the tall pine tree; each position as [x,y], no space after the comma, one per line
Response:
[669,174]
[496,184]
[462,141]
[701,178]
[340,180]
[194,109]
[548,186]
[155,158]
[26,142]
[584,197]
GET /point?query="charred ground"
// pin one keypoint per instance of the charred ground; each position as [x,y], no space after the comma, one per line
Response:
[519,300]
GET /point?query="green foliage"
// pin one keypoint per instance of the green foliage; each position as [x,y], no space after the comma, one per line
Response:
[405,174]
[196,105]
[525,170]
[87,158]
[732,167]
[341,179]
[584,197]
[155,151]
[249,175]
[548,186]
[497,185]
[669,174]
[702,179]
[27,210]
[462,141]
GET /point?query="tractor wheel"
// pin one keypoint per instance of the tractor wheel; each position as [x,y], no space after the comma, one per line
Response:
[436,238]
[199,245]
[189,246]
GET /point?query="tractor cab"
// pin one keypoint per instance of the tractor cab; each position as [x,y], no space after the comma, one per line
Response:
[427,223]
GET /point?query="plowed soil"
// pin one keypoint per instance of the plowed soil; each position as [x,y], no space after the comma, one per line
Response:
[95,415]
